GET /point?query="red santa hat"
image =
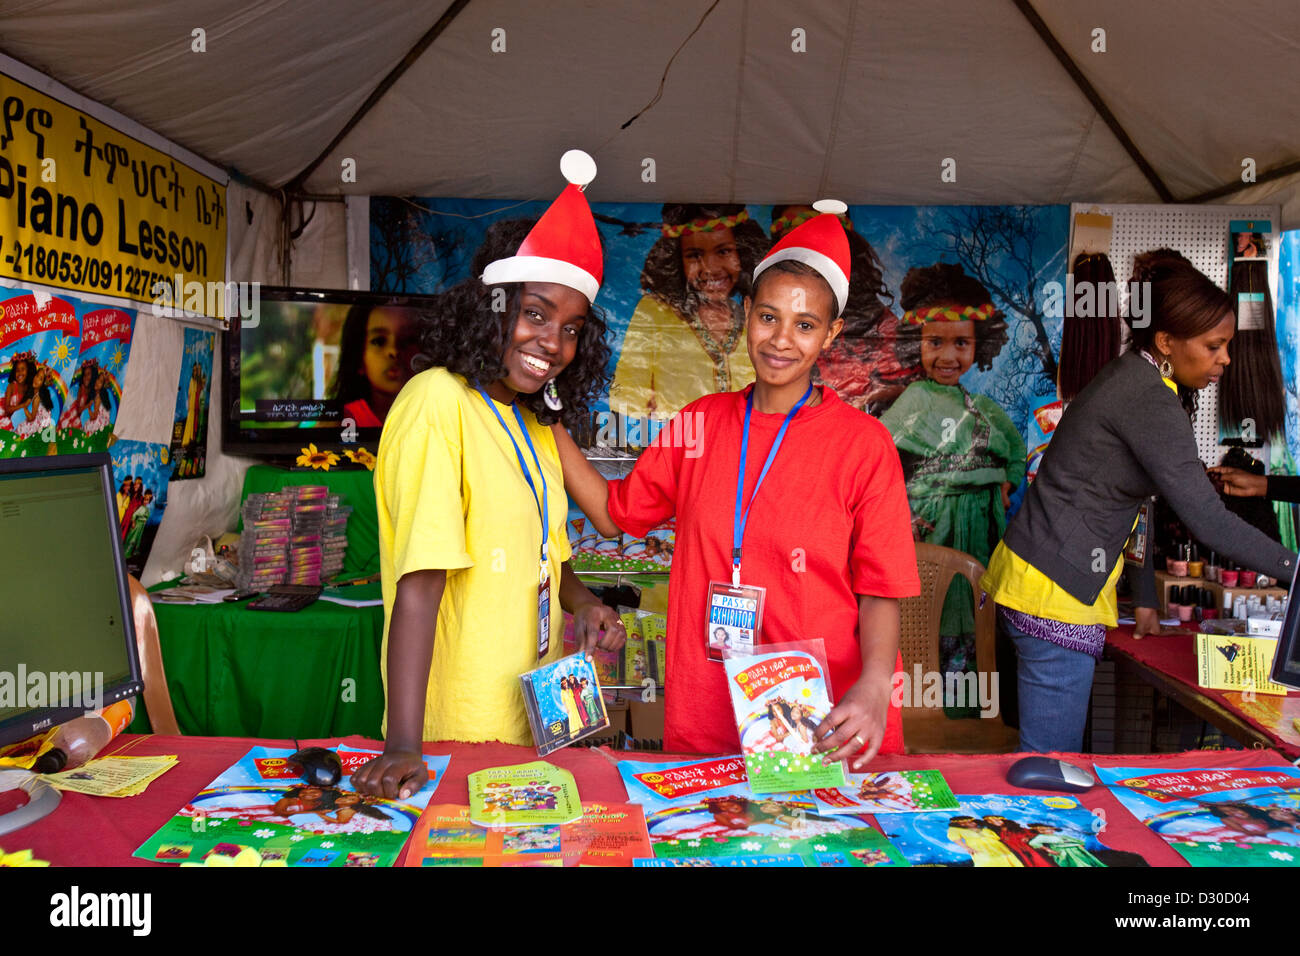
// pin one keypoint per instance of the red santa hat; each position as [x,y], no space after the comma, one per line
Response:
[820,243]
[564,246]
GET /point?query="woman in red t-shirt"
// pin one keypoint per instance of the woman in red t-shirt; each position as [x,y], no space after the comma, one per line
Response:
[828,534]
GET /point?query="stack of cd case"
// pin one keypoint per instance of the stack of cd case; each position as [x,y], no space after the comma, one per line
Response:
[294,536]
[564,702]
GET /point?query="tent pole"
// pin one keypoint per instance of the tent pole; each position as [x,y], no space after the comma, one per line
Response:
[1094,98]
[444,21]
[1227,189]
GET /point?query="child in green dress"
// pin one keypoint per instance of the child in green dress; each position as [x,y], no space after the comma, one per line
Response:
[962,456]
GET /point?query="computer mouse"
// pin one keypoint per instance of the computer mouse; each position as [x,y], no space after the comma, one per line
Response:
[1048,773]
[318,766]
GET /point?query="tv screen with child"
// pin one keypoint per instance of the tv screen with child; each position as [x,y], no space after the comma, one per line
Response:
[317,367]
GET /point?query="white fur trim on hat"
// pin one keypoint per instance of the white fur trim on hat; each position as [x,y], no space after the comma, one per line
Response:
[541,269]
[824,265]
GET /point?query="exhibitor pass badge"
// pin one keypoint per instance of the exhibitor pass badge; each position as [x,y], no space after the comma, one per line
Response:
[734,620]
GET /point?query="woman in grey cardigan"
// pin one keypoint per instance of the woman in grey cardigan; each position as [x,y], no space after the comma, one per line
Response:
[1127,436]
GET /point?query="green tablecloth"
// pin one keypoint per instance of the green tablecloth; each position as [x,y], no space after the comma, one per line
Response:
[234,672]
[357,489]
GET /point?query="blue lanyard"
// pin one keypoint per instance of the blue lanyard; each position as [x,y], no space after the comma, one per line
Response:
[523,465]
[742,516]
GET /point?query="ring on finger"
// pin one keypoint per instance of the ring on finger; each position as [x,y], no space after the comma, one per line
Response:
[858,738]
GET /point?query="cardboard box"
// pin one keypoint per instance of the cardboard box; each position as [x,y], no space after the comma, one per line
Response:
[1236,662]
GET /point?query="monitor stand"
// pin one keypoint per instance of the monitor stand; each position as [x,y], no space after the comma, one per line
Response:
[42,799]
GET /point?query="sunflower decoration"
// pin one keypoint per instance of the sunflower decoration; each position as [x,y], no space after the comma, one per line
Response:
[20,858]
[313,457]
[361,457]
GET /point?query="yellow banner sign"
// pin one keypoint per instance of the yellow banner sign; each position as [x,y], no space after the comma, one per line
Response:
[88,208]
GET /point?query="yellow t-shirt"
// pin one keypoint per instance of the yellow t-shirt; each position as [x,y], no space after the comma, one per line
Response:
[1015,583]
[450,495]
[664,362]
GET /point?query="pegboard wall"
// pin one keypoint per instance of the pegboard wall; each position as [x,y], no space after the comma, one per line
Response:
[1201,234]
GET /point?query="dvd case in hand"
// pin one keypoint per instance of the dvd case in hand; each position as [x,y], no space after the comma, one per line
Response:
[564,702]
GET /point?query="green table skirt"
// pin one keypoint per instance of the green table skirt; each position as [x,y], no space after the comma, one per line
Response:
[234,672]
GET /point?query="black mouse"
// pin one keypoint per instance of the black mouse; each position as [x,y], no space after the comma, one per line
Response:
[318,766]
[1048,773]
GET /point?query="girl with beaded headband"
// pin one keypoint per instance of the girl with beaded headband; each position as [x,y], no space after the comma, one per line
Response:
[84,383]
[18,392]
[962,456]
[686,337]
[862,364]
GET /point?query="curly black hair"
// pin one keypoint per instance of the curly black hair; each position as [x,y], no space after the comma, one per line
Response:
[941,284]
[467,334]
[869,297]
[663,275]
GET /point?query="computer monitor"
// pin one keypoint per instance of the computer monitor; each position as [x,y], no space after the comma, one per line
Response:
[1286,661]
[67,634]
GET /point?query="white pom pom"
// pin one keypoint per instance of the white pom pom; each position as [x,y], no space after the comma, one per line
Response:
[578,168]
[832,206]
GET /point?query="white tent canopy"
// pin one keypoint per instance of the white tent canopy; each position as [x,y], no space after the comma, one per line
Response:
[883,94]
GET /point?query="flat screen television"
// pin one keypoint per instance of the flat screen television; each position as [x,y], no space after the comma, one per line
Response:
[317,366]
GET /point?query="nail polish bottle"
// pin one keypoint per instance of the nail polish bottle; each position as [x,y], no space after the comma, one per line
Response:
[1173,606]
[1208,610]
[1186,604]
[1195,566]
[1247,579]
[1212,568]
[1229,575]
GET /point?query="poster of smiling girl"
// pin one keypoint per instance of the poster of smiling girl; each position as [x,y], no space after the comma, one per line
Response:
[190,422]
[95,390]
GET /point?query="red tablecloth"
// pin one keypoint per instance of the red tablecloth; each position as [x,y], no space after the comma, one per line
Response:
[1174,655]
[101,831]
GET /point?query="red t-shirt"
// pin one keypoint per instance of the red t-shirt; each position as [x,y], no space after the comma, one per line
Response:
[830,522]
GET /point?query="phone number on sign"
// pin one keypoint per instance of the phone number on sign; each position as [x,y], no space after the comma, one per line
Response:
[72,269]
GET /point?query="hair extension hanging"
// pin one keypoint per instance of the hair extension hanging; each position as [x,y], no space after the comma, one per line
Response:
[1251,387]
[1088,343]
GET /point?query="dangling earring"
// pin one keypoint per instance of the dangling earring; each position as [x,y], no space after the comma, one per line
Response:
[1166,368]
[551,396]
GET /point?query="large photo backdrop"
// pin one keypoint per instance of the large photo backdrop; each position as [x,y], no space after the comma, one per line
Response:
[675,276]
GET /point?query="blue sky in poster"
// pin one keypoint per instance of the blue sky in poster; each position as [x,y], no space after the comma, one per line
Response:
[1014,250]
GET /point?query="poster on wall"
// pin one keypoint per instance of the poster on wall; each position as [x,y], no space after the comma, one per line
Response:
[141,471]
[38,346]
[96,392]
[1288,336]
[675,279]
[190,424]
[117,218]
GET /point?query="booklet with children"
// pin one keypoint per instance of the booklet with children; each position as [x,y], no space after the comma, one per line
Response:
[526,794]
[564,702]
[606,835]
[779,697]
[262,803]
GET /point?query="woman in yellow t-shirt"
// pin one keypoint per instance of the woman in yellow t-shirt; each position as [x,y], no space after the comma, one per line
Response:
[467,465]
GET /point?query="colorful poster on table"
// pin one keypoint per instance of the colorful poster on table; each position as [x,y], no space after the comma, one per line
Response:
[190,422]
[676,275]
[86,207]
[1005,831]
[606,835]
[141,472]
[890,791]
[1216,816]
[262,803]
[38,349]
